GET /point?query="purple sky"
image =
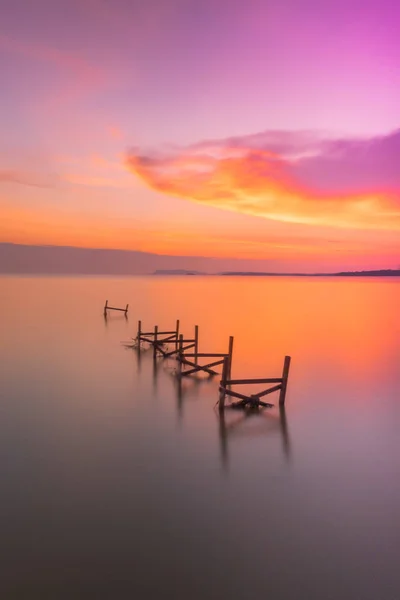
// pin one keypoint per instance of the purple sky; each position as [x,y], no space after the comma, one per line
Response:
[84,81]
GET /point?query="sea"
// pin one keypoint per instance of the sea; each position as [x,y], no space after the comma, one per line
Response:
[119,480]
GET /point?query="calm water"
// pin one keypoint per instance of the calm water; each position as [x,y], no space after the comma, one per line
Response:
[115,485]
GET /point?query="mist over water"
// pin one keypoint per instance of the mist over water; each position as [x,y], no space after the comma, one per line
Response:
[119,483]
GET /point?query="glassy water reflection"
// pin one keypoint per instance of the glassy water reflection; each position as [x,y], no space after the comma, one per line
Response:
[118,481]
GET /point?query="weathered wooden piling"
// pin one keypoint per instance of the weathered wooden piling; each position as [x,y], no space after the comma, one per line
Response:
[180,354]
[230,354]
[177,334]
[192,359]
[196,343]
[189,364]
[186,344]
[285,377]
[155,346]
[254,400]
[157,339]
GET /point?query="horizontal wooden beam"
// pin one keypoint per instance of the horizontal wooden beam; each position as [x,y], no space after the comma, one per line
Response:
[158,333]
[251,381]
[207,355]
[114,308]
[156,341]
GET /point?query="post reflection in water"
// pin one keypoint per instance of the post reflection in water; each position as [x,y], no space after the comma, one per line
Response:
[117,320]
[159,365]
[140,352]
[268,423]
[231,424]
[139,359]
[93,465]
[187,388]
[119,317]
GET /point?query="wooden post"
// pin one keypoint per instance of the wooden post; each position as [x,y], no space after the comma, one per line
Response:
[230,352]
[180,344]
[126,309]
[180,355]
[139,333]
[105,308]
[222,384]
[155,340]
[254,401]
[177,334]
[285,375]
[196,343]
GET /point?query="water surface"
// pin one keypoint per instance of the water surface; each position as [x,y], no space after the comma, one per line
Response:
[118,484]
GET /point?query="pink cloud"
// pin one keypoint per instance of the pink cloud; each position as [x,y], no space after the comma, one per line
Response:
[289,177]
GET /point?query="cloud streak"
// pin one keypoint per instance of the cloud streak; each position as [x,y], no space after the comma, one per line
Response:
[283,176]
[22,178]
[82,75]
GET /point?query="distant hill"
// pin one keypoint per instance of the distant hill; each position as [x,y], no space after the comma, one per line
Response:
[67,260]
[176,272]
[378,273]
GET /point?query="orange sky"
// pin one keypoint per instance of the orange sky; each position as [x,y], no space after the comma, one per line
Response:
[118,133]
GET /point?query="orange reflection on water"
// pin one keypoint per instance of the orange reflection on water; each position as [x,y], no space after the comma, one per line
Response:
[347,327]
[336,330]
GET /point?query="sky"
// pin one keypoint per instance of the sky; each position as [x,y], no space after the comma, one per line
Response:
[259,130]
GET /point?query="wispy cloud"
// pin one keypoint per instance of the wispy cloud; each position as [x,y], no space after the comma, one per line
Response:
[289,177]
[24,178]
[82,75]
[94,171]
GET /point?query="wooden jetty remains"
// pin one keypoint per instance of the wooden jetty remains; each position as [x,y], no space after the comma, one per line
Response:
[182,344]
[106,308]
[189,362]
[158,339]
[194,362]
[191,359]
[254,400]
